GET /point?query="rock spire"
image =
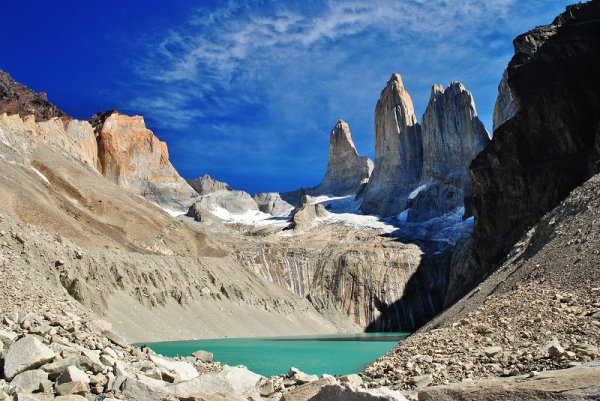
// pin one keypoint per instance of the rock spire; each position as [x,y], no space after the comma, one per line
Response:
[398,151]
[346,171]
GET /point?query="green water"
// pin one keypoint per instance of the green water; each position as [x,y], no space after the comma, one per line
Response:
[331,354]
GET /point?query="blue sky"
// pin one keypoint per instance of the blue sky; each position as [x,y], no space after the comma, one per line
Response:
[249,91]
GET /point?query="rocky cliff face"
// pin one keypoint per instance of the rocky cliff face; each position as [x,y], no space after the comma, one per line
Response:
[452,136]
[452,133]
[134,158]
[506,105]
[398,152]
[360,273]
[16,98]
[346,171]
[551,145]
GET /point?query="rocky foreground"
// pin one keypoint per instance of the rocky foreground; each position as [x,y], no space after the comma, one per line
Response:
[540,311]
[65,357]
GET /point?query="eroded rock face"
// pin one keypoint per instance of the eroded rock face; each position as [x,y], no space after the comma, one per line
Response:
[215,206]
[308,215]
[398,152]
[359,272]
[452,136]
[134,158]
[273,204]
[346,171]
[206,185]
[506,105]
[452,133]
[16,98]
[551,145]
[73,138]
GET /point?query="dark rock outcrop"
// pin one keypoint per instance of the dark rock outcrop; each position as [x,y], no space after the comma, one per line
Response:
[550,146]
[16,98]
[398,152]
[346,172]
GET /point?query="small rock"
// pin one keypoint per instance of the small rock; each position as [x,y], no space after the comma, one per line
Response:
[422,381]
[267,388]
[555,350]
[301,377]
[72,388]
[354,380]
[204,356]
[73,374]
[492,351]
[7,337]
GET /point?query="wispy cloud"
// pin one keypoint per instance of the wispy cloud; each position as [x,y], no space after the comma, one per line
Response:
[247,82]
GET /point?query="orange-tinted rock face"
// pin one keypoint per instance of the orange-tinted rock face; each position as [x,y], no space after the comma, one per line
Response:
[134,158]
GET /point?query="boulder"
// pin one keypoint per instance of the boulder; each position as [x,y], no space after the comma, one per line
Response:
[31,381]
[184,370]
[233,380]
[25,354]
[82,362]
[346,171]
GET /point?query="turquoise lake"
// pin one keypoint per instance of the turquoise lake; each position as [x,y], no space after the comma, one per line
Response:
[332,354]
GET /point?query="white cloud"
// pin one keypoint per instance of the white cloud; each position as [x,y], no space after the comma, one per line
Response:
[264,72]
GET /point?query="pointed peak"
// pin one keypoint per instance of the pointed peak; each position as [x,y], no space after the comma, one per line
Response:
[396,79]
[437,89]
[341,123]
[457,86]
[341,131]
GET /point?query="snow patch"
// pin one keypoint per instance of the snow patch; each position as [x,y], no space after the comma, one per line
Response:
[360,221]
[447,228]
[416,191]
[402,216]
[38,172]
[173,213]
[251,217]
[337,204]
